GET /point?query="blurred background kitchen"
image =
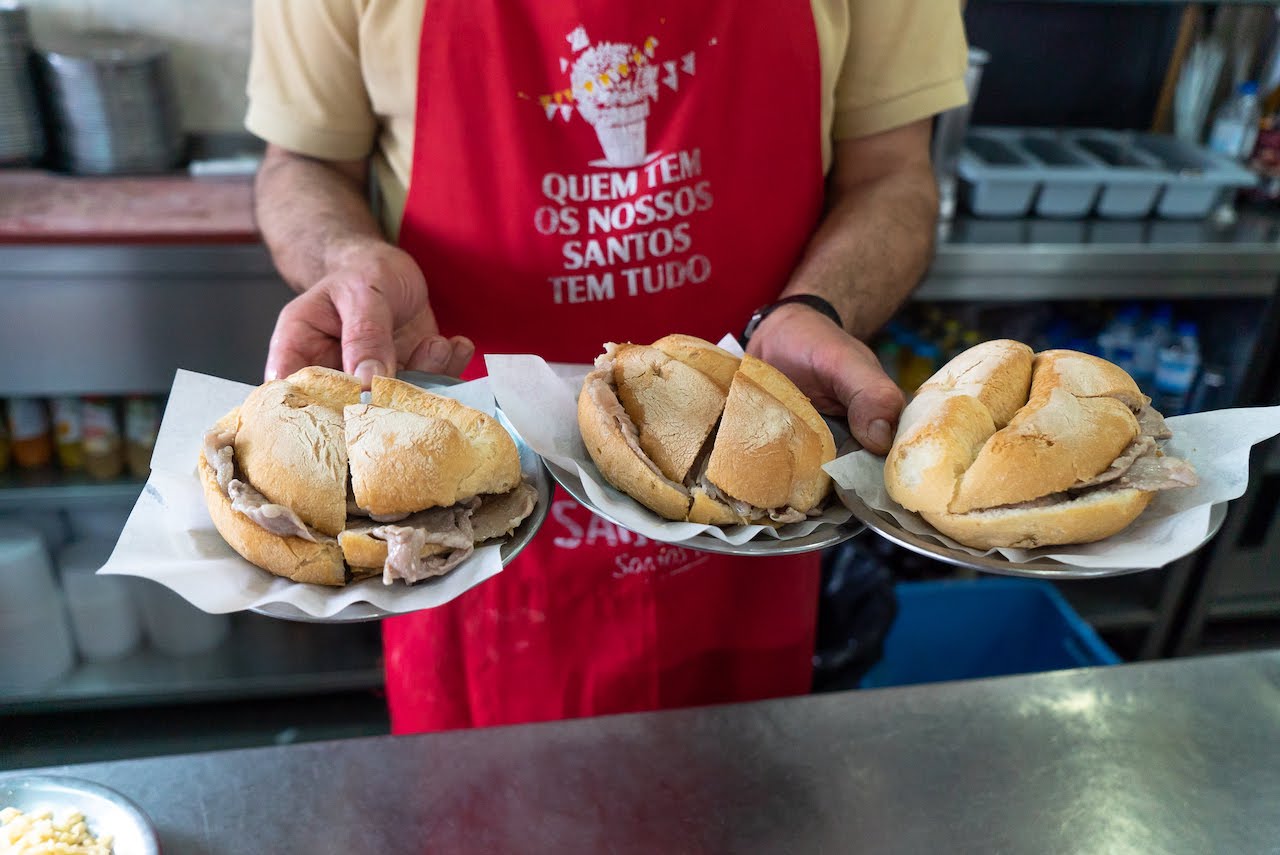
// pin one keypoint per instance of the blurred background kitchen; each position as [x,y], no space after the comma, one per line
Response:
[1113,188]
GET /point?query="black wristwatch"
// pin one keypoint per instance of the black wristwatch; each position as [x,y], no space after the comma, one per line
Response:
[811,300]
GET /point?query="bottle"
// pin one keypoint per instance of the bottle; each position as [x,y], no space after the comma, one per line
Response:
[103,450]
[4,445]
[1146,349]
[1210,391]
[920,366]
[1176,371]
[889,352]
[141,424]
[68,433]
[31,440]
[1117,341]
[1235,126]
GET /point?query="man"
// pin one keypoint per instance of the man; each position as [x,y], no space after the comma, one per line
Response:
[553,174]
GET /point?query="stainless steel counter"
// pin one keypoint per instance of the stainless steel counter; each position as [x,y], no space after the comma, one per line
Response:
[1168,757]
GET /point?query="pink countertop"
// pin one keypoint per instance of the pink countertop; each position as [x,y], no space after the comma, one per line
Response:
[45,207]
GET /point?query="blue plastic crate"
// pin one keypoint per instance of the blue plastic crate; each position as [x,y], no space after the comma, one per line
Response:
[960,630]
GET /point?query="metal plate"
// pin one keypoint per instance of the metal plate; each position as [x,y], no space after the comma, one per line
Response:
[105,810]
[888,528]
[530,463]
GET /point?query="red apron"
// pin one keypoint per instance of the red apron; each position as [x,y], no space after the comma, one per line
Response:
[588,171]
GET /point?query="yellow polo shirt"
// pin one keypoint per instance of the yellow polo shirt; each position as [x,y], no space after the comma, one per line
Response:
[337,79]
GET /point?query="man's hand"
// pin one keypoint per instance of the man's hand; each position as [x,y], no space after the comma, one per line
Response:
[839,373]
[369,314]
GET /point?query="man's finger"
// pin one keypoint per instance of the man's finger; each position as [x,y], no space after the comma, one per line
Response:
[463,350]
[305,334]
[368,347]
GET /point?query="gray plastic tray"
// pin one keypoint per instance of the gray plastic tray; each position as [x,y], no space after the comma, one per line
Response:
[998,178]
[1070,174]
[1133,178]
[1197,178]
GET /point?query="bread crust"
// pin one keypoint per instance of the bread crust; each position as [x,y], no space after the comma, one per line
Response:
[619,463]
[1091,517]
[291,557]
[495,461]
[402,462]
[702,356]
[289,446]
[973,464]
[772,443]
[767,450]
[439,448]
[674,407]
[1052,443]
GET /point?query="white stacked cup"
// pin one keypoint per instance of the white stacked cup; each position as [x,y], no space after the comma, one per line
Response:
[35,639]
[176,627]
[104,619]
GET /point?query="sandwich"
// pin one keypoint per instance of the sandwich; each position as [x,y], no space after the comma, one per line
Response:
[1003,447]
[308,483]
[694,433]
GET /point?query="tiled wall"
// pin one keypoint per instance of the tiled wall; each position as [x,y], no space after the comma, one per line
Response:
[209,38]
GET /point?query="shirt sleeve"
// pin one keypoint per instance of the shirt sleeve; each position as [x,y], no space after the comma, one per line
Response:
[306,88]
[905,60]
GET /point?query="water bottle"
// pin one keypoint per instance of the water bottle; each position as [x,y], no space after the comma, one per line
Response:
[1235,127]
[1176,371]
[1117,342]
[1146,349]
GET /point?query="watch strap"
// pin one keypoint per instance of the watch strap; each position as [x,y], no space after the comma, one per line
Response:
[813,301]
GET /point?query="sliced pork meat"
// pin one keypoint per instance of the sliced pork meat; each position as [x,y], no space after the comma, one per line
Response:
[1143,445]
[276,519]
[1152,424]
[219,453]
[446,527]
[354,510]
[1154,473]
[750,513]
[599,385]
[499,515]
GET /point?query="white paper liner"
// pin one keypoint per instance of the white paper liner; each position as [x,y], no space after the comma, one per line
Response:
[541,401]
[170,537]
[1176,522]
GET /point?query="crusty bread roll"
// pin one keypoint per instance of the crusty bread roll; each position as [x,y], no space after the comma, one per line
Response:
[694,433]
[1005,448]
[308,483]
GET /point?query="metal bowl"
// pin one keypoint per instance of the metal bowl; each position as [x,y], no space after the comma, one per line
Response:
[105,811]
[530,464]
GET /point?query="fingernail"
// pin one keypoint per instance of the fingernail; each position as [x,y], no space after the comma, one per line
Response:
[880,433]
[272,374]
[366,371]
[439,351]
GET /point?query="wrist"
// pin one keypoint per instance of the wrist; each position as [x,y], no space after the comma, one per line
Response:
[790,306]
[358,251]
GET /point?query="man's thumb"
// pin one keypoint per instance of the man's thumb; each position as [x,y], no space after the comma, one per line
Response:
[368,347]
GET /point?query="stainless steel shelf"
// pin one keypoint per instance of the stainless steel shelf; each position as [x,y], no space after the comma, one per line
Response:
[1030,259]
[259,658]
[1112,605]
[1245,608]
[48,489]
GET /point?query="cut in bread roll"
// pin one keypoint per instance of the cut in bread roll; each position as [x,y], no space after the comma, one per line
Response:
[428,479]
[1005,448]
[694,433]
